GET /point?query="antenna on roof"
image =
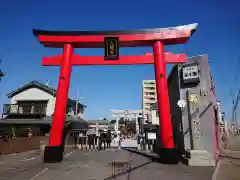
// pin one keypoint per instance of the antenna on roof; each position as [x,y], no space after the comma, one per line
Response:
[47,83]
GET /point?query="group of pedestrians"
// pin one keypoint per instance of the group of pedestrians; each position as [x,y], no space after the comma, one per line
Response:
[105,140]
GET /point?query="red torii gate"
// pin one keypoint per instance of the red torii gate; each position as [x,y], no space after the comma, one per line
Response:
[112,41]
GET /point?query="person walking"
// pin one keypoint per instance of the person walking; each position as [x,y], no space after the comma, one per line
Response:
[225,140]
[64,135]
[120,141]
[100,142]
[142,138]
[90,141]
[109,139]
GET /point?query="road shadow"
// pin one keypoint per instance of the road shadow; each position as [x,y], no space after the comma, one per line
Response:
[128,171]
[154,157]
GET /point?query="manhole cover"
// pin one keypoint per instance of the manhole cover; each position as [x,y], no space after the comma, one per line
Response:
[119,163]
[120,167]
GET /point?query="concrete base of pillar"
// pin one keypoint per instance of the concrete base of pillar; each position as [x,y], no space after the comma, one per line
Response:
[169,156]
[199,158]
[53,154]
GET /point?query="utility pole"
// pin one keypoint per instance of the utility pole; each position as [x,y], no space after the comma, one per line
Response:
[76,109]
[236,99]
[235,106]
[77,101]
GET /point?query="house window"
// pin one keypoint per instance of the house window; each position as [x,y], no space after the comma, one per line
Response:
[157,114]
[31,107]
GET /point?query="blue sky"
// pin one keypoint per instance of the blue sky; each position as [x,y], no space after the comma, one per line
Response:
[105,88]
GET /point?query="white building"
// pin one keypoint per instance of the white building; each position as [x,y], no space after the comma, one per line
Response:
[98,124]
[36,98]
[153,115]
[149,96]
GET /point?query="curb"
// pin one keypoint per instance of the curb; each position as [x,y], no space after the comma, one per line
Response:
[148,155]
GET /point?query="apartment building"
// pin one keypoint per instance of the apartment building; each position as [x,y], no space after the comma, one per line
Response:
[149,96]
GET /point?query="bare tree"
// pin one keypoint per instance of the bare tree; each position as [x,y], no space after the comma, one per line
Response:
[2,74]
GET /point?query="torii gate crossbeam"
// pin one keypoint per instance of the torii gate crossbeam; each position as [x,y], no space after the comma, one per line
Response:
[78,60]
[157,38]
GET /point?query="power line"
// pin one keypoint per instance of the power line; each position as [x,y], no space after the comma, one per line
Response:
[235,105]
[236,77]
[236,99]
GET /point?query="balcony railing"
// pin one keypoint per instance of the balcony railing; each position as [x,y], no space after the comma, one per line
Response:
[150,90]
[24,109]
[149,85]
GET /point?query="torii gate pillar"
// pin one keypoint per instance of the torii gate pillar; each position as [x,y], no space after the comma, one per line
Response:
[62,95]
[163,100]
[157,38]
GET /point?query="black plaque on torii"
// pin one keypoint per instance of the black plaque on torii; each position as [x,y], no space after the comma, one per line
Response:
[111,48]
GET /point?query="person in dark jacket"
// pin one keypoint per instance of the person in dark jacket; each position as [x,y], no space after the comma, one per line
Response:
[102,140]
[75,139]
[109,139]
[90,141]
[64,135]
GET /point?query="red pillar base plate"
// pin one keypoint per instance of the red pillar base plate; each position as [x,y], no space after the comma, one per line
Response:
[169,155]
[53,154]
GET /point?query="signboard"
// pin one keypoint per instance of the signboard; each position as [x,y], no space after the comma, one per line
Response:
[111,48]
[193,98]
[181,103]
[191,74]
[151,136]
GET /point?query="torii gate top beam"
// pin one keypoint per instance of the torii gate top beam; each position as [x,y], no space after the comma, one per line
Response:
[132,38]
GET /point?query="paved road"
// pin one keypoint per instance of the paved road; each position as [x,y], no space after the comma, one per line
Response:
[229,169]
[97,166]
[229,164]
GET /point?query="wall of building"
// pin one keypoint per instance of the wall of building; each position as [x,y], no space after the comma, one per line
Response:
[154,117]
[198,119]
[36,94]
[174,96]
